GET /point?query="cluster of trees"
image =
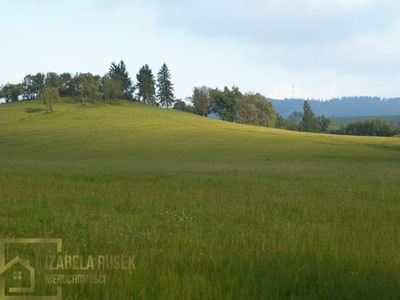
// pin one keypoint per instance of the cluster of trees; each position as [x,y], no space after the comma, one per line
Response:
[308,122]
[146,85]
[375,127]
[115,84]
[227,104]
[230,105]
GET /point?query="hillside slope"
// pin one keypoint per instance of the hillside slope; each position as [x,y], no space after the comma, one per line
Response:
[137,133]
[209,209]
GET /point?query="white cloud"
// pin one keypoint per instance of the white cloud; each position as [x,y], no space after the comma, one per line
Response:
[324,47]
[285,22]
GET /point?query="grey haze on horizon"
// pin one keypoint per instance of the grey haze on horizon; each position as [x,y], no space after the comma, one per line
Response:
[326,48]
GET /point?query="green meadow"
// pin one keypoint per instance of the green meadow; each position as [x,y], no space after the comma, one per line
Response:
[210,209]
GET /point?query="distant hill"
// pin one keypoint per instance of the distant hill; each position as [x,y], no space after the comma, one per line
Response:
[343,107]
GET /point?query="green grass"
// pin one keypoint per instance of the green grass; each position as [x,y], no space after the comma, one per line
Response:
[212,210]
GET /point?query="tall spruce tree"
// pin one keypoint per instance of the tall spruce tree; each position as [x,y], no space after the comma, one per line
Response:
[118,72]
[146,86]
[165,88]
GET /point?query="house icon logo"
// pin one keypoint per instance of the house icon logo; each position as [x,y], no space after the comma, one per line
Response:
[17,275]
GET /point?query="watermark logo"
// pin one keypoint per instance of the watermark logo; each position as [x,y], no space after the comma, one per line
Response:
[18,274]
[38,269]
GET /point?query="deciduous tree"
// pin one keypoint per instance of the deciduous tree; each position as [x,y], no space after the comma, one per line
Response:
[11,92]
[77,84]
[53,81]
[182,106]
[202,101]
[112,88]
[224,103]
[90,87]
[33,85]
[325,124]
[280,121]
[246,111]
[255,109]
[66,85]
[48,97]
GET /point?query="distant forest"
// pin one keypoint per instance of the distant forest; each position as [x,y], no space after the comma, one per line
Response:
[343,107]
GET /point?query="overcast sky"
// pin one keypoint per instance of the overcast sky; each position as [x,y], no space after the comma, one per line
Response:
[325,48]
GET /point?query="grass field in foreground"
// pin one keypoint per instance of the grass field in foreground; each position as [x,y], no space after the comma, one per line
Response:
[210,209]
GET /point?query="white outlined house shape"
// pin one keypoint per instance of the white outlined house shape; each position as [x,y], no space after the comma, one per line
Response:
[31,271]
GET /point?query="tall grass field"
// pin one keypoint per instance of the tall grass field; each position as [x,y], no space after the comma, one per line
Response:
[207,209]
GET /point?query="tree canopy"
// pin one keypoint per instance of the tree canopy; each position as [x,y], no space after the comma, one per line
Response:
[228,104]
[119,73]
[11,92]
[202,101]
[146,86]
[48,97]
[89,88]
[309,123]
[33,85]
[224,103]
[254,109]
[374,127]
[112,88]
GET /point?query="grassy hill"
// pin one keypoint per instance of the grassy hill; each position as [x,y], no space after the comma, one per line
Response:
[210,209]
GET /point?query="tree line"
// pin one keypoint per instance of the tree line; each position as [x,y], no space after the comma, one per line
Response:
[342,107]
[374,127]
[115,84]
[230,105]
[307,121]
[227,104]
[254,109]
